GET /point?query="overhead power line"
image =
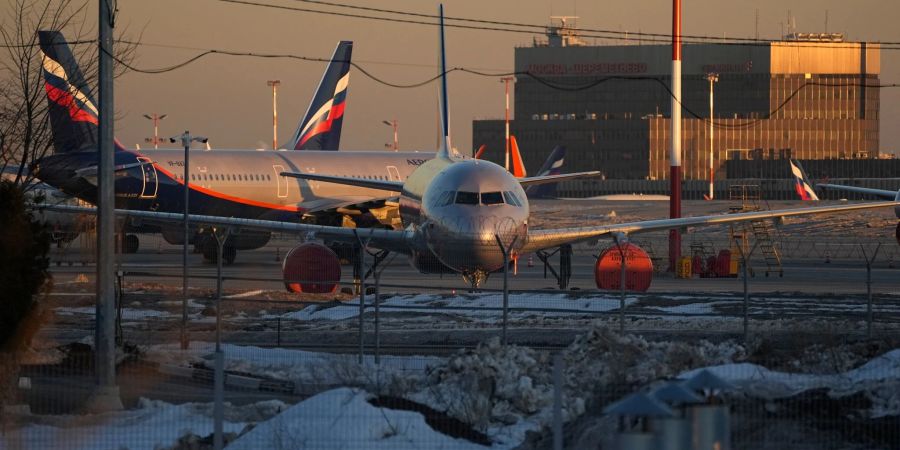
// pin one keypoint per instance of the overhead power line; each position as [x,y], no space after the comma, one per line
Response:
[531,29]
[548,82]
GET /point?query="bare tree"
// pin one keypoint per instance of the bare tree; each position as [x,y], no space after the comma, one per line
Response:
[25,133]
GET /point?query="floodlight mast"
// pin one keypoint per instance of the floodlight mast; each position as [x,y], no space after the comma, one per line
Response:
[274,84]
[186,139]
[713,78]
[155,140]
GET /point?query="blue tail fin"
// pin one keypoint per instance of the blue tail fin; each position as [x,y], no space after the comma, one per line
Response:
[72,109]
[321,126]
[804,188]
[552,166]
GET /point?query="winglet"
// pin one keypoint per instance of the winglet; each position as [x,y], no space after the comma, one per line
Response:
[445,149]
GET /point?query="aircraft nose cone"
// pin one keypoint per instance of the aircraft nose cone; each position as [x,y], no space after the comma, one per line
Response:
[467,243]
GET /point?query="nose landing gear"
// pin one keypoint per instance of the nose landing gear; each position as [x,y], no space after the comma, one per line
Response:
[475,278]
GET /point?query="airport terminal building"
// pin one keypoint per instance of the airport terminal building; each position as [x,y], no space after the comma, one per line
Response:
[805,97]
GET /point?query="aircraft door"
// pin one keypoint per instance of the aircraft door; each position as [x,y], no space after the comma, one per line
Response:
[393,173]
[281,181]
[150,184]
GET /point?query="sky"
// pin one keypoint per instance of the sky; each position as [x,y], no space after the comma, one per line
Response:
[226,98]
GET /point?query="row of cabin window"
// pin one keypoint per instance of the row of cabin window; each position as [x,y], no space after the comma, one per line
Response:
[475,198]
[257,177]
[227,177]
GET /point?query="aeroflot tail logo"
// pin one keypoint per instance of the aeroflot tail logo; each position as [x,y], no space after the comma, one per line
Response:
[332,110]
[61,92]
[804,190]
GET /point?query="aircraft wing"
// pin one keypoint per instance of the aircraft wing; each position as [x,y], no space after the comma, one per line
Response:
[532,181]
[541,239]
[861,190]
[396,240]
[395,186]
[325,204]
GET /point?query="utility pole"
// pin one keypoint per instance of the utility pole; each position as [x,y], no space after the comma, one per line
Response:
[106,397]
[274,84]
[155,140]
[713,78]
[393,123]
[675,151]
[506,80]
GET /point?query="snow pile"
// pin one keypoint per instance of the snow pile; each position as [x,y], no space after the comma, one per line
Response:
[343,418]
[495,388]
[302,367]
[879,379]
[602,357]
[508,390]
[151,426]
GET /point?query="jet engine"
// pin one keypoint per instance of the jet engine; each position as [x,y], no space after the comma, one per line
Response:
[312,268]
[245,240]
[638,268]
[426,262]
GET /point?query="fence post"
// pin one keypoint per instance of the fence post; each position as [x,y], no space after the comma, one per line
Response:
[557,401]
[618,241]
[377,274]
[869,261]
[745,262]
[362,298]
[505,251]
[219,398]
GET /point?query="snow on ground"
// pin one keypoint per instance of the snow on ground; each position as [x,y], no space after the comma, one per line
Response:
[127,313]
[298,366]
[343,418]
[473,305]
[879,378]
[152,426]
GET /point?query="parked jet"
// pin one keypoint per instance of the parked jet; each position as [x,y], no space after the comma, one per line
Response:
[467,215]
[236,183]
[806,190]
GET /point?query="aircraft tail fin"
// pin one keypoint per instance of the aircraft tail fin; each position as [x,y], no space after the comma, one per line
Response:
[73,112]
[518,166]
[321,125]
[802,185]
[552,166]
[445,150]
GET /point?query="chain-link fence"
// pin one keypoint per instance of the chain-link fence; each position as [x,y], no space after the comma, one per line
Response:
[431,361]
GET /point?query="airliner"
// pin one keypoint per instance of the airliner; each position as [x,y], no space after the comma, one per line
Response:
[806,189]
[467,215]
[237,183]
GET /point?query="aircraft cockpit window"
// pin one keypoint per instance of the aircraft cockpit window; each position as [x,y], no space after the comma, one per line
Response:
[446,198]
[466,198]
[491,198]
[511,198]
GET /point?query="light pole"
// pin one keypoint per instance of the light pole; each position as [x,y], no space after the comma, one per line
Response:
[155,140]
[393,123]
[506,81]
[274,84]
[713,78]
[186,140]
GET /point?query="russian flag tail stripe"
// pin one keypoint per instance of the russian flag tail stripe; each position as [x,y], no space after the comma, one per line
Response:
[73,113]
[320,128]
